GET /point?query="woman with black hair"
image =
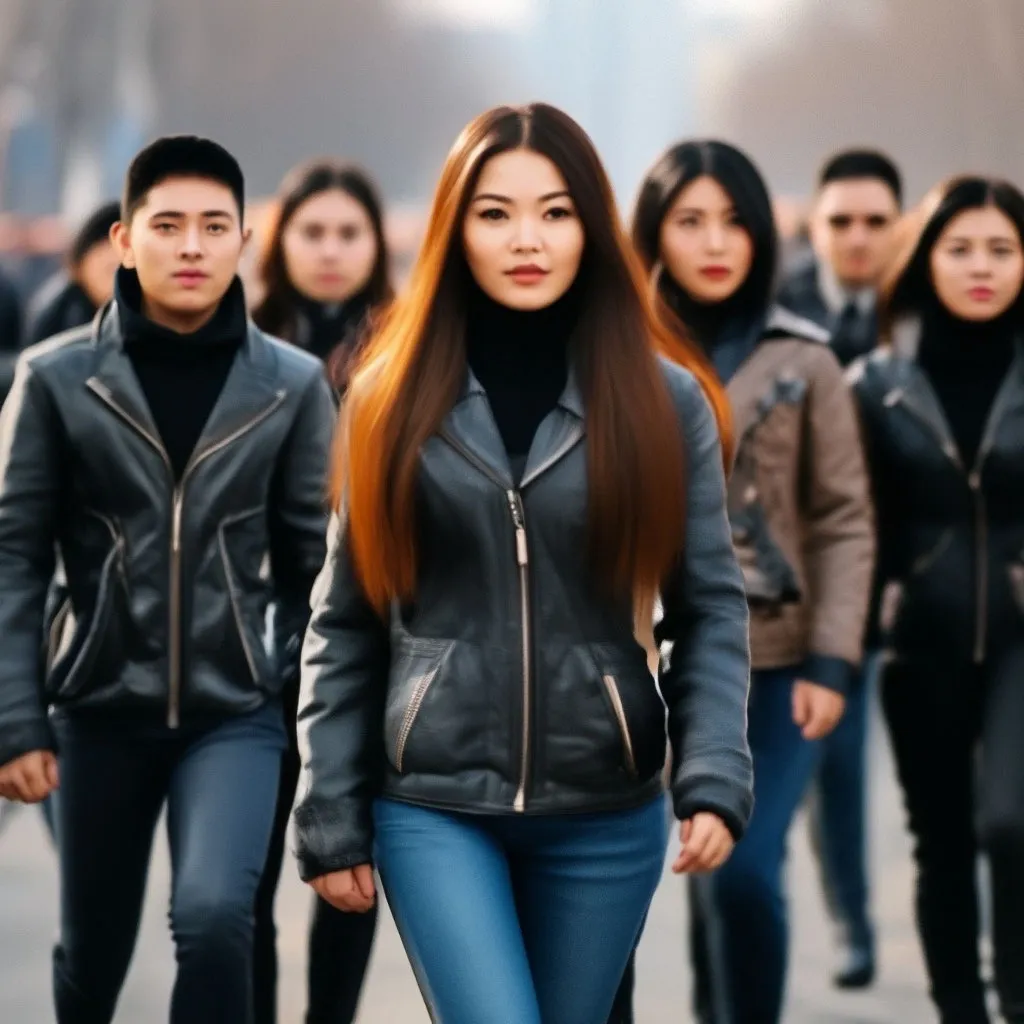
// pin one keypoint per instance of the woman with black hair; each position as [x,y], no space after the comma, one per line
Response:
[325,265]
[942,402]
[324,268]
[801,524]
[71,298]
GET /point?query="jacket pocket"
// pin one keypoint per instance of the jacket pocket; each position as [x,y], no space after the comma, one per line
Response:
[637,711]
[414,671]
[75,645]
[246,594]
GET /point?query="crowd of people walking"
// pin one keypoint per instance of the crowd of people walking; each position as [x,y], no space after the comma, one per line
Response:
[455,577]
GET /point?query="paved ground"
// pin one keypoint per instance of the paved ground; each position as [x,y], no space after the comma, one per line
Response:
[28,901]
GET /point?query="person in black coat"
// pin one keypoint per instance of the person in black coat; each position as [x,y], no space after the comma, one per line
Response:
[324,268]
[10,332]
[71,298]
[852,231]
[942,403]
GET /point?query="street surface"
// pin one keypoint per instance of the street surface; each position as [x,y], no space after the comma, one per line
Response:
[28,915]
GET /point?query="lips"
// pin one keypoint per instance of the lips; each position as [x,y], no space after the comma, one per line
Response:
[982,294]
[527,273]
[715,273]
[191,277]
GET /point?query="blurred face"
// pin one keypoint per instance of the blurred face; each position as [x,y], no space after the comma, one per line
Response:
[522,237]
[704,247]
[330,248]
[852,229]
[185,242]
[977,264]
[95,274]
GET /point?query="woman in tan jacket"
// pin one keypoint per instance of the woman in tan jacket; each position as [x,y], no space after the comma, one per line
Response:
[802,525]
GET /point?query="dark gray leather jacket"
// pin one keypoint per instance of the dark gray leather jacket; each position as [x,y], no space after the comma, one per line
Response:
[510,684]
[168,583]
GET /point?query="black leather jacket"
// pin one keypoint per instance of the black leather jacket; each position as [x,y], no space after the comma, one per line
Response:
[510,684]
[168,583]
[951,536]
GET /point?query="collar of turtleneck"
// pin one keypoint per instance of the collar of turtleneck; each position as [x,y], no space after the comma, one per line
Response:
[980,347]
[320,326]
[227,327]
[521,359]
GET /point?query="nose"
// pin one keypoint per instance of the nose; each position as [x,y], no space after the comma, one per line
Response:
[715,237]
[527,235]
[192,241]
[980,263]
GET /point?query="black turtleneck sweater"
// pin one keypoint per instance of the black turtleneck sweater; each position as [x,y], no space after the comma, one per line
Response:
[321,327]
[182,375]
[521,359]
[966,363]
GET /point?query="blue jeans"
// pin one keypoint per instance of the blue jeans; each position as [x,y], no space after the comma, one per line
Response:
[524,919]
[219,783]
[739,926]
[839,812]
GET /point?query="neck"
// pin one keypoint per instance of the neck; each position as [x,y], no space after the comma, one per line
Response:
[179,322]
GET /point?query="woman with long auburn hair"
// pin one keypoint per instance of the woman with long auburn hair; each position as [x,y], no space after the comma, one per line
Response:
[801,522]
[325,270]
[942,402]
[519,475]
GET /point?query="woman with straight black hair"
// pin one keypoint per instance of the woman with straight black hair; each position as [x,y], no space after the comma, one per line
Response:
[942,402]
[801,524]
[325,265]
[325,270]
[520,474]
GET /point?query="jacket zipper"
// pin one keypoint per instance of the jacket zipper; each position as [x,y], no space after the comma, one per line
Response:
[980,513]
[620,715]
[412,711]
[515,504]
[177,502]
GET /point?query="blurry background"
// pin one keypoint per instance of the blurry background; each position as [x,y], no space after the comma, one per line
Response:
[389,83]
[84,83]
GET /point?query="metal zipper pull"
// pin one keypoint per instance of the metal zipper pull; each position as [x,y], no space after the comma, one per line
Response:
[522,552]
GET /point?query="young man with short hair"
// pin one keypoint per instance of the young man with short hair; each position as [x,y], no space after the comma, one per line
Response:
[175,456]
[852,232]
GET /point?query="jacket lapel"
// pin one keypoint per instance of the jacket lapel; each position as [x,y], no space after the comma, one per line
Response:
[249,395]
[114,381]
[470,429]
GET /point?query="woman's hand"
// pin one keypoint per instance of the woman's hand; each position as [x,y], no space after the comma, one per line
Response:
[352,890]
[816,709]
[707,843]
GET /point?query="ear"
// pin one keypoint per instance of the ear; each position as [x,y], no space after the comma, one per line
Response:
[120,236]
[246,238]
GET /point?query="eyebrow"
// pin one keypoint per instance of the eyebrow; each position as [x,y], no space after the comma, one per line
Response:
[546,198]
[964,240]
[178,215]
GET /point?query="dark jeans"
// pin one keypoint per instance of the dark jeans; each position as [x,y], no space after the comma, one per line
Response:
[339,943]
[941,717]
[511,918]
[219,783]
[739,925]
[839,812]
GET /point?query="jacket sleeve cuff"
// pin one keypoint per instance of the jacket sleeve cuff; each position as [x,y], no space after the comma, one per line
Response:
[834,673]
[731,803]
[17,739]
[326,841]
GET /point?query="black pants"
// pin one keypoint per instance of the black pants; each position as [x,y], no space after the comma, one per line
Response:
[339,944]
[218,782]
[958,737]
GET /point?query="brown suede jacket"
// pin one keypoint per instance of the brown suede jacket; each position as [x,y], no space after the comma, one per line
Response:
[799,503]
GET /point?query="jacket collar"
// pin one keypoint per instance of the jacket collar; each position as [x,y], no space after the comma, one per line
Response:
[471,430]
[912,389]
[251,391]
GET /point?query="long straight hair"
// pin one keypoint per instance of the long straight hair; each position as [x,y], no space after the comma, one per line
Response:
[277,311]
[907,287]
[676,169]
[415,364]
